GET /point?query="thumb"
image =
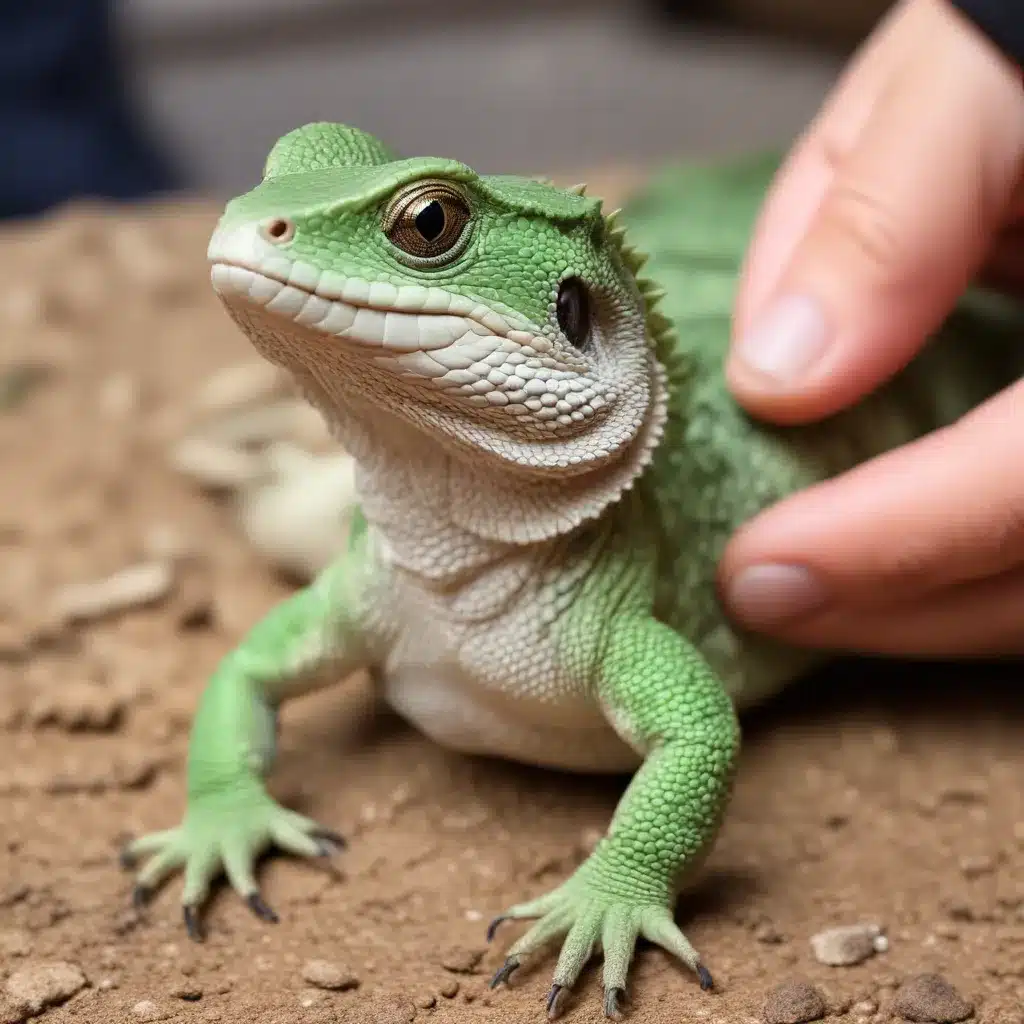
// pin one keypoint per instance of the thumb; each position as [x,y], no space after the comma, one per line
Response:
[908,211]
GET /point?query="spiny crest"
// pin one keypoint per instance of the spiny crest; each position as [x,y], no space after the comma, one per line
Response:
[660,326]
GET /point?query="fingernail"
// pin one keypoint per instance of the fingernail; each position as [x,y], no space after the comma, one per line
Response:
[787,340]
[763,596]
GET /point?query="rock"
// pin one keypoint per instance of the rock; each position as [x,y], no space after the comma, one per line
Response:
[449,989]
[147,1010]
[326,975]
[930,998]
[38,986]
[217,466]
[136,586]
[460,960]
[795,1001]
[187,989]
[975,867]
[864,1009]
[848,945]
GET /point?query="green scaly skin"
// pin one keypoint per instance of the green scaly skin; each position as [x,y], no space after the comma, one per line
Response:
[545,500]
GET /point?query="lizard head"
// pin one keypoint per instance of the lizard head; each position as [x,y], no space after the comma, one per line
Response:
[499,314]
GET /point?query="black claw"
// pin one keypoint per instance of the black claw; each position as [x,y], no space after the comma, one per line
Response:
[336,839]
[492,928]
[706,981]
[613,1004]
[254,901]
[504,972]
[192,928]
[326,849]
[554,1005]
[140,896]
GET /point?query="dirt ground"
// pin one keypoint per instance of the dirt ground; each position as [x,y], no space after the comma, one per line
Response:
[891,795]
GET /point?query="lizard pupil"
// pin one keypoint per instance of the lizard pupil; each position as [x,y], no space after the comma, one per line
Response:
[573,309]
[430,221]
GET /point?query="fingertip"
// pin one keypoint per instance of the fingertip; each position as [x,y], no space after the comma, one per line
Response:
[792,367]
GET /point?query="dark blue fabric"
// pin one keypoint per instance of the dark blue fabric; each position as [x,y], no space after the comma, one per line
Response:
[66,126]
[1001,20]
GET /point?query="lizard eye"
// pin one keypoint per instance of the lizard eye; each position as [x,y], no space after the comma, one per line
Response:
[427,220]
[573,309]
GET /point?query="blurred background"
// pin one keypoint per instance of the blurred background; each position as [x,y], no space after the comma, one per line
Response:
[125,98]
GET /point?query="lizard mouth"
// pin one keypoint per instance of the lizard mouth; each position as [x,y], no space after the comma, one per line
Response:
[373,315]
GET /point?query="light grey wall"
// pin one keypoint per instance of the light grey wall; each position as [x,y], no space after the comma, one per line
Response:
[505,86]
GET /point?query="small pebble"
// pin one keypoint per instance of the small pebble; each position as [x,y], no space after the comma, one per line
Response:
[795,1001]
[848,945]
[449,988]
[930,998]
[134,587]
[217,466]
[326,975]
[975,867]
[146,1009]
[46,984]
[864,1008]
[460,960]
[188,990]
[425,1001]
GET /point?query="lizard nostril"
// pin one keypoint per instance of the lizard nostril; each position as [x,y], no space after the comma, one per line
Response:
[278,230]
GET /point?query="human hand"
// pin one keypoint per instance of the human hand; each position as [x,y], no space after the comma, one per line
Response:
[906,186]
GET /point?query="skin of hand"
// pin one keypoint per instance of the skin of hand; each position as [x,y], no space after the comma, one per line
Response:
[905,188]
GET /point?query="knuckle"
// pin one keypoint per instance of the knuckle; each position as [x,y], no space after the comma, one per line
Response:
[913,567]
[861,219]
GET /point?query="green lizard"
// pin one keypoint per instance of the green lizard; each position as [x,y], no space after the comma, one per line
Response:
[549,466]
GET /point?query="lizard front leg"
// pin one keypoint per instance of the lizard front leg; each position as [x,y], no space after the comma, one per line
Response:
[314,638]
[663,699]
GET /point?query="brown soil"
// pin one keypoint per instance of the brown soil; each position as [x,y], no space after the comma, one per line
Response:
[888,795]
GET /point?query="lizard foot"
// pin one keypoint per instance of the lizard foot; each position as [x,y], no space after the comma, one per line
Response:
[221,834]
[586,916]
